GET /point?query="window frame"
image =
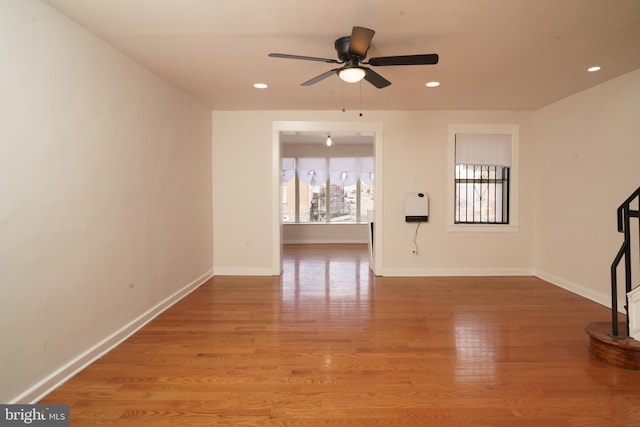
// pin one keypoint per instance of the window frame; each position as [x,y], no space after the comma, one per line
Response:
[514,179]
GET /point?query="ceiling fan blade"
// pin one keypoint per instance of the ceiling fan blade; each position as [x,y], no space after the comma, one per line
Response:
[305,58]
[428,59]
[375,79]
[320,77]
[360,41]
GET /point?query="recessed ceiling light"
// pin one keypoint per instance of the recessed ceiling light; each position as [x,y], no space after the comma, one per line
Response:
[432,84]
[261,85]
[593,69]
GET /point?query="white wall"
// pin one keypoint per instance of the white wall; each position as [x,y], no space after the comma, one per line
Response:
[587,164]
[105,197]
[415,159]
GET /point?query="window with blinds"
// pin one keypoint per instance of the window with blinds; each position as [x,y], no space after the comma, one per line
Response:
[482,168]
[327,190]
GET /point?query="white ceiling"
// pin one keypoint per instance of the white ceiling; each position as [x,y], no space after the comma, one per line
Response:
[494,54]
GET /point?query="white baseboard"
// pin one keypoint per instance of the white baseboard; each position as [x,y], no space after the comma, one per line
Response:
[322,241]
[244,271]
[78,363]
[435,272]
[598,297]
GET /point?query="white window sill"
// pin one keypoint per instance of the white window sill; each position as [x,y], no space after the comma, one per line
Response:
[483,228]
[325,223]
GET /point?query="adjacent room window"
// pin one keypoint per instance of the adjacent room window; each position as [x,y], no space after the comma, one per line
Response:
[483,176]
[327,190]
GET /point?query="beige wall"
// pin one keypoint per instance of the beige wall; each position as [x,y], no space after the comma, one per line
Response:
[587,164]
[415,159]
[337,150]
[105,197]
[325,233]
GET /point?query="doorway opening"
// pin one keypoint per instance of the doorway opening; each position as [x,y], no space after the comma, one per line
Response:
[347,213]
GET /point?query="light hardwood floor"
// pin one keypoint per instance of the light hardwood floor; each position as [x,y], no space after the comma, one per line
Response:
[329,344]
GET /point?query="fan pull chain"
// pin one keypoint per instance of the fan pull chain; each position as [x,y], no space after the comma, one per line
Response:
[360,98]
[343,106]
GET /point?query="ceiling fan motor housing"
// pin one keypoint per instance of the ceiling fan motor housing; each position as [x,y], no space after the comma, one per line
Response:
[342,47]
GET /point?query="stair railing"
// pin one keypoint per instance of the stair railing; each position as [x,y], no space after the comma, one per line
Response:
[625,213]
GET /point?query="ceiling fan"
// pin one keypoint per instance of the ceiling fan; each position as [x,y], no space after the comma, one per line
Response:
[352,50]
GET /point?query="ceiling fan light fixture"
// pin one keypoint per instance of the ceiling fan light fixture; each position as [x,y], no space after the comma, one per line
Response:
[352,50]
[352,74]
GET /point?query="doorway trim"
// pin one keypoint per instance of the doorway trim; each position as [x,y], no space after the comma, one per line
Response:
[310,126]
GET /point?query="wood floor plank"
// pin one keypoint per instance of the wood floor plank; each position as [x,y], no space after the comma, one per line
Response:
[329,344]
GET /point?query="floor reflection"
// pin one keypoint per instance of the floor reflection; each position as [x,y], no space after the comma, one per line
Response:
[326,280]
[477,344]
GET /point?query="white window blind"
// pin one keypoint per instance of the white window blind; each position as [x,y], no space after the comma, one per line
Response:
[367,166]
[288,169]
[483,149]
[312,170]
[343,170]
